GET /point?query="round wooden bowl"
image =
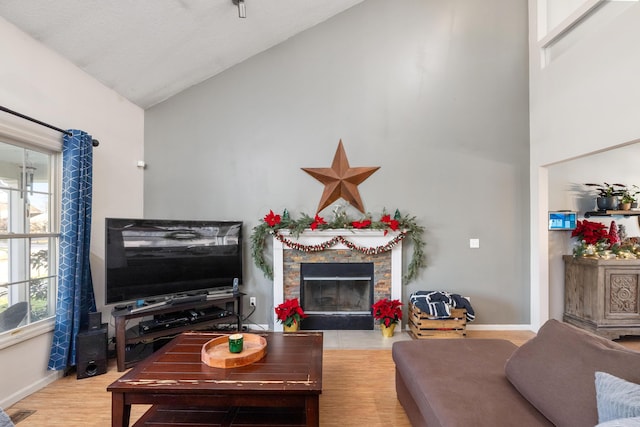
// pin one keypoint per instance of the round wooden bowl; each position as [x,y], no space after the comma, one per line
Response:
[215,353]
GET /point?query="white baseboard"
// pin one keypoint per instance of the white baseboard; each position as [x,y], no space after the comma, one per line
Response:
[32,388]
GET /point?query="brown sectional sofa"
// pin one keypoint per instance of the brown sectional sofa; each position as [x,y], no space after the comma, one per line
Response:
[548,381]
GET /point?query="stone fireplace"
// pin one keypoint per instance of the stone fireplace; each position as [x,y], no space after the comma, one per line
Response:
[340,297]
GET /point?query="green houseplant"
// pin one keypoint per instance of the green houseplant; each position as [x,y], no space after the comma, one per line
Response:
[608,195]
[629,197]
[625,201]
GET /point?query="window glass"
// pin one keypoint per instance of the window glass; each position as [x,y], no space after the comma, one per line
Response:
[28,236]
[4,210]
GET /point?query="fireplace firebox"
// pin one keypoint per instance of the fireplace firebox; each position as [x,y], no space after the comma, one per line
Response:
[337,295]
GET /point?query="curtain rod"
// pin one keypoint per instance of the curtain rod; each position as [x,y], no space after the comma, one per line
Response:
[95,142]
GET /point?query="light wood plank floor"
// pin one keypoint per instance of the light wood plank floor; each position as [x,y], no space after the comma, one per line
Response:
[358,390]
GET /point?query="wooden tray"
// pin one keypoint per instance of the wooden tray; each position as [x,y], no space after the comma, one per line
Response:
[215,353]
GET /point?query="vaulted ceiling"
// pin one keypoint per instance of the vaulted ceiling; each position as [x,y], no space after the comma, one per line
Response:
[150,50]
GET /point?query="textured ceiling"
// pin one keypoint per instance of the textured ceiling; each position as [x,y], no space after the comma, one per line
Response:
[149,50]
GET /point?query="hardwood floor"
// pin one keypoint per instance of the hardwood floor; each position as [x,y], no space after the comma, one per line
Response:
[358,390]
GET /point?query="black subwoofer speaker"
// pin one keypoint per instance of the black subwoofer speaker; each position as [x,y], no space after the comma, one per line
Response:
[91,352]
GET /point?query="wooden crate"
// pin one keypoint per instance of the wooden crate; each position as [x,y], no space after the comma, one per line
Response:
[422,325]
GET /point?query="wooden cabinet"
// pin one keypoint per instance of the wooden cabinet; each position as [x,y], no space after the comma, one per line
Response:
[602,295]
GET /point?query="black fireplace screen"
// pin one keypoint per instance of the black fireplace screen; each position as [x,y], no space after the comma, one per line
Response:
[336,287]
[336,295]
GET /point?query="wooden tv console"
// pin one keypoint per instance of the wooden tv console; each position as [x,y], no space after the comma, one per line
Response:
[135,336]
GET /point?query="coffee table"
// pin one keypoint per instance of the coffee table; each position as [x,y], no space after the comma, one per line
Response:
[283,388]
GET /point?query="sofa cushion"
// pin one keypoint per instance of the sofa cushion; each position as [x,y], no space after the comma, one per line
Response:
[5,421]
[555,371]
[616,398]
[622,422]
[460,382]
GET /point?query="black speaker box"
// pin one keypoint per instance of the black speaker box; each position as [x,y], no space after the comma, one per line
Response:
[91,352]
[95,320]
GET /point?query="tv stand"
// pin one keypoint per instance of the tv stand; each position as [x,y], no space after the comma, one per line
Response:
[137,335]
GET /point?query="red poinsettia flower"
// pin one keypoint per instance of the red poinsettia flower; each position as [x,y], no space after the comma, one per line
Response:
[317,221]
[290,312]
[591,232]
[393,224]
[361,224]
[272,219]
[387,311]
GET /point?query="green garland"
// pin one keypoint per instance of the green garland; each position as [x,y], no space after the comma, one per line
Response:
[405,224]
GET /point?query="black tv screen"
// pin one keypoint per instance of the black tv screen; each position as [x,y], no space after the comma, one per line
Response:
[147,258]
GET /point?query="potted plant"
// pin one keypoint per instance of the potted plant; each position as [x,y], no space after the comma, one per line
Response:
[629,197]
[608,195]
[389,313]
[290,314]
[593,237]
[626,201]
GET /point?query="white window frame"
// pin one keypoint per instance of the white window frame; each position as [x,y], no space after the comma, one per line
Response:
[21,133]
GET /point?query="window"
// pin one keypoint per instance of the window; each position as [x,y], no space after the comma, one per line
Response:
[28,235]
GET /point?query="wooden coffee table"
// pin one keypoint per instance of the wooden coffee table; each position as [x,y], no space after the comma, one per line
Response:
[281,389]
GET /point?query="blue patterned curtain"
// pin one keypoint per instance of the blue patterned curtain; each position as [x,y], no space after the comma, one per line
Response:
[75,288]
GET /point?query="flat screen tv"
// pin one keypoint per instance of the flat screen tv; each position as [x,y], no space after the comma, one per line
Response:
[148,259]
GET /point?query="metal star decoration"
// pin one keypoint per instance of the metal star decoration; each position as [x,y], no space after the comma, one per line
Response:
[341,180]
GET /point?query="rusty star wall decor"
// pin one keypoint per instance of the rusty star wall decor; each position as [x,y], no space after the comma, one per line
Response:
[341,180]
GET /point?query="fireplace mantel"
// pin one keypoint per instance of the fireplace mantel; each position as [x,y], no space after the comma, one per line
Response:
[361,238]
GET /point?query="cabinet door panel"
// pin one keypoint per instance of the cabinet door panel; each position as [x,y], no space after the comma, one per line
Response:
[621,294]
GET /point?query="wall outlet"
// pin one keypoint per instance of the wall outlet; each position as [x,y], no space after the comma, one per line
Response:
[474,243]
[252,301]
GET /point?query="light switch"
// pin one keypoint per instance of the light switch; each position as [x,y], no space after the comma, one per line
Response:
[474,243]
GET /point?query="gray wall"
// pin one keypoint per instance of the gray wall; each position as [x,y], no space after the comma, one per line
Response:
[434,92]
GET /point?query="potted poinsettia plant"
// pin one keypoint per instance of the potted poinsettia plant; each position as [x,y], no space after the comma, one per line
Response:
[593,237]
[389,313]
[290,314]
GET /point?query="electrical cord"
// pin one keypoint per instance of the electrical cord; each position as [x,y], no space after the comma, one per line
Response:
[246,318]
[249,315]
